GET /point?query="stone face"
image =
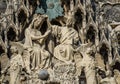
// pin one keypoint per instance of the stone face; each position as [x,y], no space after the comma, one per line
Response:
[60,42]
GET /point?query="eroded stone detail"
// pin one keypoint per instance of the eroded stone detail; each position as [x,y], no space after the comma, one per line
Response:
[79,45]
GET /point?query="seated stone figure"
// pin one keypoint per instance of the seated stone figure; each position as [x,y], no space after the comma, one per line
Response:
[64,51]
[35,43]
[67,35]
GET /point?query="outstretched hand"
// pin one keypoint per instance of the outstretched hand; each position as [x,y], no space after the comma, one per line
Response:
[47,32]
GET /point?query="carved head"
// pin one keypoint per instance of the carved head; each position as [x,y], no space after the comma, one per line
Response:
[116,72]
[13,49]
[89,50]
[108,73]
[16,47]
[38,20]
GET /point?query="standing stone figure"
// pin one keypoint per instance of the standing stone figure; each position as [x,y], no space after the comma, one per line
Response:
[88,63]
[35,42]
[15,66]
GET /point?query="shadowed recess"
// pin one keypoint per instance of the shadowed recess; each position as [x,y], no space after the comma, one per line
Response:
[22,17]
[11,34]
[91,34]
[117,66]
[78,17]
[1,50]
[44,27]
[82,78]
[104,52]
[118,38]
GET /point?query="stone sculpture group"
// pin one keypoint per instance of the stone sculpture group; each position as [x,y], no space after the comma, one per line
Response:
[80,47]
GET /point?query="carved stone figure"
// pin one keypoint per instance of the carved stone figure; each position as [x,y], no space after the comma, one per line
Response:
[67,36]
[16,65]
[64,51]
[34,41]
[117,76]
[59,41]
[88,63]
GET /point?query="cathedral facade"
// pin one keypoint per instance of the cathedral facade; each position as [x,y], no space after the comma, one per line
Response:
[59,42]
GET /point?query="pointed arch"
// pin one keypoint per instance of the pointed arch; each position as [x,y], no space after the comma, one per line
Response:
[104,47]
[78,15]
[104,41]
[91,30]
[22,7]
[22,15]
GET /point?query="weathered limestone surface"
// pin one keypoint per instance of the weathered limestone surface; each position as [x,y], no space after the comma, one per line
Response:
[59,41]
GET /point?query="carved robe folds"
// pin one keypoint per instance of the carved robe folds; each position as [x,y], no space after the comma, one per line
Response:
[16,65]
[34,43]
[64,51]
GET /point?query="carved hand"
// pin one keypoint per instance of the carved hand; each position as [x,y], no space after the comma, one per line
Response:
[47,32]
